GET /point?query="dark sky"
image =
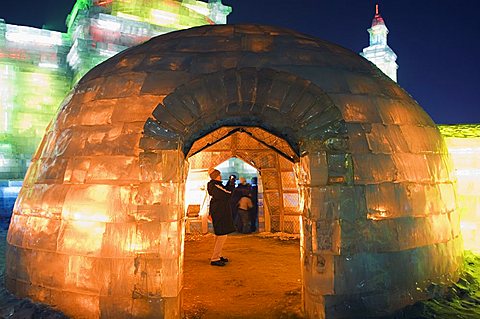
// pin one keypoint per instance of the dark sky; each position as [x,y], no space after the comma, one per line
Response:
[437,41]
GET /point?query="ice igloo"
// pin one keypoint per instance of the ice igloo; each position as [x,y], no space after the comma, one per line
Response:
[98,228]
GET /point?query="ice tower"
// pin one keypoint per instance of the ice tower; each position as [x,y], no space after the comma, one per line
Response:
[379,53]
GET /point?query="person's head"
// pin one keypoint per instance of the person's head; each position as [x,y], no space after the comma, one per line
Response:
[254,181]
[215,174]
[233,177]
[242,180]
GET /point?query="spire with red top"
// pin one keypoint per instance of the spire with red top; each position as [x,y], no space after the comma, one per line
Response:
[379,52]
[377,20]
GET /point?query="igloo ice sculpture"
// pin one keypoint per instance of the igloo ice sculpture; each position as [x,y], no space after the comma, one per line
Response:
[98,227]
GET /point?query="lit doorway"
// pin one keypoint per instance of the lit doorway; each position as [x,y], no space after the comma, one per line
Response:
[263,270]
[253,152]
[197,198]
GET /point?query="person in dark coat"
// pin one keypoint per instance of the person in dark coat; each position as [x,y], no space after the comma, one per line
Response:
[254,210]
[221,216]
[230,186]
[231,183]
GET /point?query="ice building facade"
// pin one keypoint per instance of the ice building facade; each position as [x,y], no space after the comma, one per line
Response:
[98,227]
[38,67]
[463,142]
[102,28]
[379,53]
[32,84]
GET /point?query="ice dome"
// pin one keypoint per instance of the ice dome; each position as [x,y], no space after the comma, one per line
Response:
[98,227]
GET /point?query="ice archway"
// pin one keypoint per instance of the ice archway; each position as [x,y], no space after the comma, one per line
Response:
[97,229]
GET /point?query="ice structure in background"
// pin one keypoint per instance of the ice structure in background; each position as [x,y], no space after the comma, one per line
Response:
[34,80]
[463,142]
[98,227]
[38,67]
[101,28]
[379,53]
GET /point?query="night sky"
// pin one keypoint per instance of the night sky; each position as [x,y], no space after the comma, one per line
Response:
[437,41]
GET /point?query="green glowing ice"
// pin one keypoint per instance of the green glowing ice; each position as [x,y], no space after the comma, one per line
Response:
[38,67]
[460,130]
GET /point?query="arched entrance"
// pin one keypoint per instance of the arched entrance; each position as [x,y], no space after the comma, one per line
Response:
[284,133]
[258,264]
[272,157]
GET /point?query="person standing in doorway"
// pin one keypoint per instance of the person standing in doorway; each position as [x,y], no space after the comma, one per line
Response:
[221,215]
[231,183]
[230,186]
[254,210]
[242,203]
[244,206]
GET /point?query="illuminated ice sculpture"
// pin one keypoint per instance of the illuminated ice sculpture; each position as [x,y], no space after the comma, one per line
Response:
[38,67]
[33,82]
[463,142]
[98,227]
[379,53]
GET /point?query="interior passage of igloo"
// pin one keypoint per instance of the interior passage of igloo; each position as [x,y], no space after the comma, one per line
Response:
[271,156]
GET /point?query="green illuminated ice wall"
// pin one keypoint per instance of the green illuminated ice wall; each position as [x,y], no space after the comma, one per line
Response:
[34,80]
[101,28]
[38,67]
